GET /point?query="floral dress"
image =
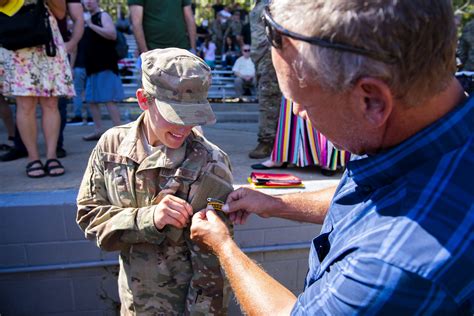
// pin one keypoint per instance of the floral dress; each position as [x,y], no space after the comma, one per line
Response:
[30,72]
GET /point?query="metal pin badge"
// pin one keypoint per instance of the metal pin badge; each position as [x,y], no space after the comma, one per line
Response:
[215,203]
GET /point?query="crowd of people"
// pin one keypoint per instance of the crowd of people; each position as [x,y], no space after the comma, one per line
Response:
[225,36]
[84,40]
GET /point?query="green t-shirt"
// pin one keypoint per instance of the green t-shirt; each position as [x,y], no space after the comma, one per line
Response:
[163,23]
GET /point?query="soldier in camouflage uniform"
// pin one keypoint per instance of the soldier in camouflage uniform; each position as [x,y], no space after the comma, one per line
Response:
[465,53]
[269,95]
[466,47]
[143,182]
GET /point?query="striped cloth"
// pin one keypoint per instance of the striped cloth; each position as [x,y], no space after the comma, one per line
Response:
[297,142]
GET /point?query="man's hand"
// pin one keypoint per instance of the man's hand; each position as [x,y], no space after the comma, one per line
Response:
[70,47]
[208,230]
[257,292]
[244,201]
[172,211]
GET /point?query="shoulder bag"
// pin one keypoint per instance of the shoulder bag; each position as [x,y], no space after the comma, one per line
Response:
[29,27]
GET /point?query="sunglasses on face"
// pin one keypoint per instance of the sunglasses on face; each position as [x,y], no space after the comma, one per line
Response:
[275,32]
[246,50]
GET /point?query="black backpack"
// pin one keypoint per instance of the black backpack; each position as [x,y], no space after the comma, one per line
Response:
[28,27]
[121,46]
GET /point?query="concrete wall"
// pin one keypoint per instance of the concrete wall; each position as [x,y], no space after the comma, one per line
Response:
[48,268]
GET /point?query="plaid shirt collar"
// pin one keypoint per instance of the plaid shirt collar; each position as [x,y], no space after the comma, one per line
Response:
[446,134]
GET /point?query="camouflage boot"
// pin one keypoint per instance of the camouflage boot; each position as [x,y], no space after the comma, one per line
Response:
[262,150]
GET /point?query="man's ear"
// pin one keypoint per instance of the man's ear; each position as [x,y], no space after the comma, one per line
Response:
[142,99]
[375,99]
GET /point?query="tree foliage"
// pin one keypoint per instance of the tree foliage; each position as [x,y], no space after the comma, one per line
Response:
[465,8]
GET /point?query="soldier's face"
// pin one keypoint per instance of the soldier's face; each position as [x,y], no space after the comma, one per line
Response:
[161,132]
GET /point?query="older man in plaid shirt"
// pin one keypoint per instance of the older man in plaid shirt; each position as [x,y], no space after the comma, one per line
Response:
[376,78]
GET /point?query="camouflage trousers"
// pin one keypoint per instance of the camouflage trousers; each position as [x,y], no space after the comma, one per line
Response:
[173,278]
[269,98]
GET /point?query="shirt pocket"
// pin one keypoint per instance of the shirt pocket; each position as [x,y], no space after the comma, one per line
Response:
[178,181]
[118,173]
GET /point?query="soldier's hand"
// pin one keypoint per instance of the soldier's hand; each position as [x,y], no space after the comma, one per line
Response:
[243,201]
[208,230]
[172,211]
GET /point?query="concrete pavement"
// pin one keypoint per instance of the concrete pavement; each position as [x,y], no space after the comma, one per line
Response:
[42,246]
[235,132]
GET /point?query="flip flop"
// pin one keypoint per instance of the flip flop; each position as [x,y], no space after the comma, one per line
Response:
[48,167]
[30,167]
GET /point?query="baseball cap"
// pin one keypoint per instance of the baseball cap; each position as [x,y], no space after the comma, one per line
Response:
[179,81]
[11,7]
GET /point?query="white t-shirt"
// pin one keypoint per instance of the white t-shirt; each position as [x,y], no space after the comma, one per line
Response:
[209,53]
[244,66]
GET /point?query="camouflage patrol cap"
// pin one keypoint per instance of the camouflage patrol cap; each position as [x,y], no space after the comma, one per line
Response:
[179,81]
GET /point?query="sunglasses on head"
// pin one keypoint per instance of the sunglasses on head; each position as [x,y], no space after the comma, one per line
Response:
[275,32]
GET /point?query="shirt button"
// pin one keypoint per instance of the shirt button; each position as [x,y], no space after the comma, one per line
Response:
[367,188]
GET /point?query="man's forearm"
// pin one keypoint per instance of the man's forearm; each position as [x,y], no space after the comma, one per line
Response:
[192,36]
[190,25]
[136,14]
[257,292]
[57,7]
[76,14]
[304,207]
[140,38]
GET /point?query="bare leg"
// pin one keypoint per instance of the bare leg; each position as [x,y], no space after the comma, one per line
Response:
[26,122]
[7,117]
[50,122]
[96,117]
[114,113]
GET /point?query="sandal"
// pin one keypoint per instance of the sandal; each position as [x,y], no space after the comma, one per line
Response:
[56,165]
[35,165]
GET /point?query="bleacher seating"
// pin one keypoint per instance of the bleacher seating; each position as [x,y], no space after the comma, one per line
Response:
[222,85]
[128,70]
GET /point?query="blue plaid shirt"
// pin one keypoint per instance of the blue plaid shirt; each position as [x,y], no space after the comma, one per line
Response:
[398,237]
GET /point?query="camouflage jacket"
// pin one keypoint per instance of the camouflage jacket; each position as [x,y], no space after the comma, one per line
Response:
[121,184]
[466,47]
[116,200]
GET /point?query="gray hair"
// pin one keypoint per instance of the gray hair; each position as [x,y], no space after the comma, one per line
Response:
[420,33]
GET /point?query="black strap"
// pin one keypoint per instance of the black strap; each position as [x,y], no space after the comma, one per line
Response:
[50,47]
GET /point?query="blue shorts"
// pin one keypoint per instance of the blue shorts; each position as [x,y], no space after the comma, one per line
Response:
[104,86]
